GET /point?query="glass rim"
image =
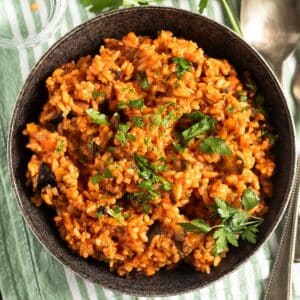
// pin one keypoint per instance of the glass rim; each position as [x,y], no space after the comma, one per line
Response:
[57,14]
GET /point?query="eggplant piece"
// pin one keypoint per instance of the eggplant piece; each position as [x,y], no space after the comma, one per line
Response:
[232,164]
[56,120]
[154,230]
[115,121]
[46,177]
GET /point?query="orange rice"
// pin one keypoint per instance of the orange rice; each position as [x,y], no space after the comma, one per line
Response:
[94,167]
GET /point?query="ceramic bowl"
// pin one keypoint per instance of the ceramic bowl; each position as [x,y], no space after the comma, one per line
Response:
[217,41]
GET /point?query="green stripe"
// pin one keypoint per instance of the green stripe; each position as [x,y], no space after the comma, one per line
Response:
[99,292]
[82,287]
[175,3]
[193,6]
[20,18]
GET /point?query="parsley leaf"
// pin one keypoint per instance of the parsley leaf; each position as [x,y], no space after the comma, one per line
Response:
[215,145]
[198,128]
[97,94]
[196,225]
[143,81]
[60,146]
[122,135]
[249,234]
[224,236]
[235,223]
[182,65]
[138,121]
[230,108]
[96,117]
[259,102]
[249,199]
[202,5]
[99,5]
[116,213]
[97,177]
[136,103]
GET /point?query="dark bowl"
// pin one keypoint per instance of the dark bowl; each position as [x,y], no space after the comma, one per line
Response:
[218,41]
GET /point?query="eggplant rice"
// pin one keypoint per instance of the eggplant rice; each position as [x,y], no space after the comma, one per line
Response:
[152,153]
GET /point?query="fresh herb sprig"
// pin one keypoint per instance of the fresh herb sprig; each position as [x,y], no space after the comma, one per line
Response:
[148,172]
[215,145]
[98,6]
[122,135]
[182,65]
[96,117]
[235,223]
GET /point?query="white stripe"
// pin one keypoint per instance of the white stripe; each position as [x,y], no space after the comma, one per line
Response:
[218,12]
[234,285]
[204,294]
[90,287]
[250,282]
[14,25]
[219,285]
[72,283]
[108,294]
[30,26]
[74,12]
[263,264]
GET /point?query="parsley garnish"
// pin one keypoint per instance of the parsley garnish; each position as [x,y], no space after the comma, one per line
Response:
[249,199]
[148,171]
[198,128]
[116,213]
[99,5]
[235,223]
[143,81]
[122,135]
[60,146]
[136,103]
[96,117]
[182,65]
[230,108]
[202,5]
[97,177]
[196,225]
[138,121]
[215,145]
[259,102]
[97,94]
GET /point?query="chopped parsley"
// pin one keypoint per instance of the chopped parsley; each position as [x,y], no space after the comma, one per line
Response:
[122,135]
[97,94]
[259,102]
[138,121]
[249,199]
[143,81]
[60,146]
[97,177]
[96,117]
[148,172]
[136,103]
[235,223]
[198,128]
[116,213]
[230,108]
[215,145]
[182,65]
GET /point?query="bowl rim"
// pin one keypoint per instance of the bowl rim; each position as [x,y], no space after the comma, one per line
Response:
[52,250]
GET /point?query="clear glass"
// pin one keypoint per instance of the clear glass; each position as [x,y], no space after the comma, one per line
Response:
[25,23]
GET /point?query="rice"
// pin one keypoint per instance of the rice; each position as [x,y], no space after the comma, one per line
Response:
[85,164]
